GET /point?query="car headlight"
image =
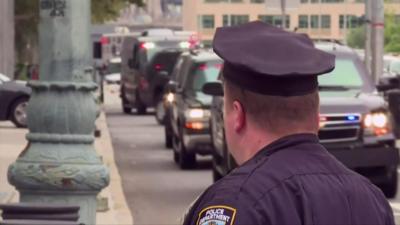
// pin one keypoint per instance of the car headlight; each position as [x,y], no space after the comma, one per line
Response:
[170,97]
[376,123]
[197,113]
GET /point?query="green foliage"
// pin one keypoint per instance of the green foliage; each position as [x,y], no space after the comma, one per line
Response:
[105,10]
[27,19]
[356,37]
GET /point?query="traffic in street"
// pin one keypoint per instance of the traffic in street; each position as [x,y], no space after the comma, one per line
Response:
[152,181]
[156,189]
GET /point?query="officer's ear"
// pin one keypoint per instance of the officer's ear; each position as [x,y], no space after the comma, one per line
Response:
[239,116]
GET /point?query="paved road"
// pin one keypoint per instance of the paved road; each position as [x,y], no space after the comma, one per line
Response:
[157,191]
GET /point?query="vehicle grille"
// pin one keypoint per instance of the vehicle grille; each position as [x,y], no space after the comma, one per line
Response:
[339,127]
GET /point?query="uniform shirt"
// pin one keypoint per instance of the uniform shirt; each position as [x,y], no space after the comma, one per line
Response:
[292,181]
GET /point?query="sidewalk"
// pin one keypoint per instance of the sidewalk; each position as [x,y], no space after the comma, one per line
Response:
[12,142]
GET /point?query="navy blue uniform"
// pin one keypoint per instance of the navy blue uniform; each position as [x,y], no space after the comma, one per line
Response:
[292,181]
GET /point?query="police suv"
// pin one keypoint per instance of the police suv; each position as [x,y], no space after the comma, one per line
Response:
[355,123]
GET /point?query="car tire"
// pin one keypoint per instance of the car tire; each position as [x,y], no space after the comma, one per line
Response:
[160,111]
[126,109]
[215,173]
[168,138]
[141,108]
[184,159]
[390,187]
[174,148]
[18,112]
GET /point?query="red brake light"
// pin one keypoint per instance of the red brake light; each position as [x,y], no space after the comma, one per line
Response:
[158,66]
[203,67]
[104,40]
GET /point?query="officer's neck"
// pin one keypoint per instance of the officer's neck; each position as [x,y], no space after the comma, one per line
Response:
[256,140]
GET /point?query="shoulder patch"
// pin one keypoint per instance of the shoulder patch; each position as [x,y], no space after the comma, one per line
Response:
[217,215]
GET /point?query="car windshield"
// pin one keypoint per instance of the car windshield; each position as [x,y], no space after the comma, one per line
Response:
[165,61]
[204,73]
[114,68]
[344,75]
[395,67]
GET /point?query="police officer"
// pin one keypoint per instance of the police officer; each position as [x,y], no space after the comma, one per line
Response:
[271,113]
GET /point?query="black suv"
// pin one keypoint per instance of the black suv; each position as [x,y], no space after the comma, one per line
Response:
[147,62]
[355,123]
[187,124]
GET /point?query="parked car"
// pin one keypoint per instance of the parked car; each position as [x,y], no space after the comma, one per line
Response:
[14,97]
[355,123]
[147,62]
[189,112]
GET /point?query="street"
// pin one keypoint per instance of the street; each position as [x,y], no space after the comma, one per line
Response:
[157,191]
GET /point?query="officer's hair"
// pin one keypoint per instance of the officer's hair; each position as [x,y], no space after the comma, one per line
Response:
[276,114]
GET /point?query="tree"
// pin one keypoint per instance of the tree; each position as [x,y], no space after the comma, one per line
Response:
[356,36]
[27,19]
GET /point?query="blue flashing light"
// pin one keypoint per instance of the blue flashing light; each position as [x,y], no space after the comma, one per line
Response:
[352,118]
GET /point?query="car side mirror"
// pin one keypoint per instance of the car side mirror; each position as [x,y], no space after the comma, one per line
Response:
[388,83]
[172,86]
[213,88]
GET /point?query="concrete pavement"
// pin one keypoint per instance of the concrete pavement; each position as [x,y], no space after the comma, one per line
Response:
[13,142]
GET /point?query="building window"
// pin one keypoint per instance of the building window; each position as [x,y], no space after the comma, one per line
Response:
[257,1]
[275,20]
[326,21]
[223,1]
[303,1]
[314,21]
[303,21]
[327,1]
[233,20]
[332,1]
[352,21]
[207,21]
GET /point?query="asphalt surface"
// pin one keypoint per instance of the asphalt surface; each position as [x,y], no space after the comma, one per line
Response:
[157,191]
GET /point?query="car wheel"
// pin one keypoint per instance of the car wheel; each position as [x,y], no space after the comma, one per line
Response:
[160,112]
[175,148]
[168,137]
[141,108]
[126,109]
[390,187]
[185,160]
[18,112]
[216,174]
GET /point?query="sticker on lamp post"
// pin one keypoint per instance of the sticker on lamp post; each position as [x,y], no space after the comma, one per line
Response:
[56,7]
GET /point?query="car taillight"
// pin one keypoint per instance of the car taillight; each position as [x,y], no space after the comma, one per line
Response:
[104,40]
[158,67]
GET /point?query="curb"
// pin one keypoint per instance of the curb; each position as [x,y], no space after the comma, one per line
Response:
[119,212]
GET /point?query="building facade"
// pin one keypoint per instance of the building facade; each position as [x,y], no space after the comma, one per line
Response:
[320,19]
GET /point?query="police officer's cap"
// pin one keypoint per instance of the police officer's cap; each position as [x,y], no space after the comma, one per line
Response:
[267,60]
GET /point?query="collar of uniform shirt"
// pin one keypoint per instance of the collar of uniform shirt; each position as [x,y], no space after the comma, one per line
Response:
[285,142]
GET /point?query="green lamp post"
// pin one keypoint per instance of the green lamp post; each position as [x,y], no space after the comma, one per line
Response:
[60,164]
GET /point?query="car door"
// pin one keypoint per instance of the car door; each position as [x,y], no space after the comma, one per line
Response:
[178,105]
